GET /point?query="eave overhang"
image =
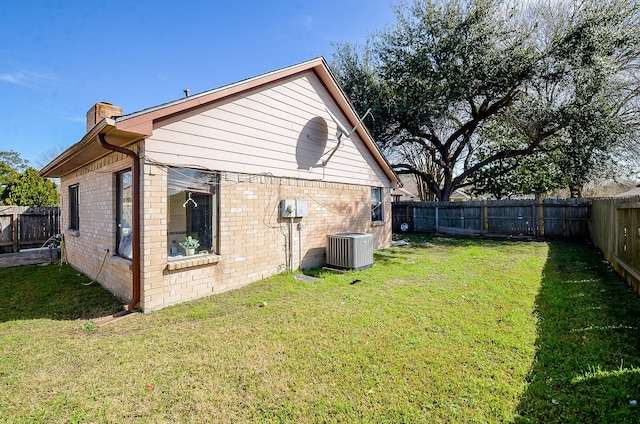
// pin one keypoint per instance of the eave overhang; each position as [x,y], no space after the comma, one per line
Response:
[89,149]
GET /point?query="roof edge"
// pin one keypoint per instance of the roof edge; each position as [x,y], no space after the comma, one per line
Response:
[140,124]
[74,148]
[199,99]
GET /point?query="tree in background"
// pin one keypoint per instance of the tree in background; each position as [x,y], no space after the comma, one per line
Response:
[534,174]
[469,93]
[48,155]
[30,189]
[21,185]
[11,164]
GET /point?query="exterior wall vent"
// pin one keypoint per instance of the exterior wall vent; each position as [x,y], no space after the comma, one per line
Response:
[350,250]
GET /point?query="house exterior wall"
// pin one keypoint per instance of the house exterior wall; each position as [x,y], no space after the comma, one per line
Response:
[274,142]
[282,129]
[253,237]
[85,248]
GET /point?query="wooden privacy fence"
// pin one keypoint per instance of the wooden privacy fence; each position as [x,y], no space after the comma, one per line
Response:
[615,230]
[26,227]
[515,218]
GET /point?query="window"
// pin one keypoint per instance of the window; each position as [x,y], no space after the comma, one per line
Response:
[193,198]
[124,214]
[376,204]
[74,207]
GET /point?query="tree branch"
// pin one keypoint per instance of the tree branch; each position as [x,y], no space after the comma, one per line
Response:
[404,169]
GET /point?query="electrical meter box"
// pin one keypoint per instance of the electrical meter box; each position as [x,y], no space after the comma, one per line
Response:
[293,208]
[301,208]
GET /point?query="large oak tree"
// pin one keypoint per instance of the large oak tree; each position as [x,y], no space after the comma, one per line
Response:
[469,92]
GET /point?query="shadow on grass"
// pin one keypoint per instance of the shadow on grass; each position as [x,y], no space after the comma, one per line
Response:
[52,292]
[587,365]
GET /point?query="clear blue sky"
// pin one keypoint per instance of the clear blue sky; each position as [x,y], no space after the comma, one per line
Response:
[59,57]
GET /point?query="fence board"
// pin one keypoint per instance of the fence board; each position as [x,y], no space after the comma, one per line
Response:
[521,218]
[6,230]
[24,227]
[615,230]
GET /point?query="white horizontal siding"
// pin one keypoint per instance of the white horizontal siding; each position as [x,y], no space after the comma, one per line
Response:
[274,130]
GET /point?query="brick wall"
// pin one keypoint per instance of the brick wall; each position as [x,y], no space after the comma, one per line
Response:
[253,238]
[86,248]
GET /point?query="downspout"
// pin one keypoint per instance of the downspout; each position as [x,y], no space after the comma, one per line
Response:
[135,225]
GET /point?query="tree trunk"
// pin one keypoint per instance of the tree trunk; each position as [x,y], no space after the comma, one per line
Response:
[445,191]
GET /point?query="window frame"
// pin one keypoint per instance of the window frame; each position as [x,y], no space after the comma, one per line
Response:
[119,194]
[208,199]
[74,207]
[377,204]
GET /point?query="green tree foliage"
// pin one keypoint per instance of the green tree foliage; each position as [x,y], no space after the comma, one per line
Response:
[475,92]
[20,185]
[11,164]
[30,189]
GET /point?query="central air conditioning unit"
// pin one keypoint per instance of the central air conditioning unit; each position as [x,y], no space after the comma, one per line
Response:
[350,251]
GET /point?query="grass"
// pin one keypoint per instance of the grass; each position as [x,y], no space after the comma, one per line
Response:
[447,330]
[51,292]
[588,345]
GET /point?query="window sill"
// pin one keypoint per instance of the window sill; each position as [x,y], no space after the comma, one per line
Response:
[377,224]
[72,233]
[192,261]
[121,262]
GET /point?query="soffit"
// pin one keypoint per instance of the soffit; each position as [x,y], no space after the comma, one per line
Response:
[88,149]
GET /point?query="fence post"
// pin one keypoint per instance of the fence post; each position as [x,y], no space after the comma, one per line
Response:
[541,214]
[565,232]
[406,218]
[14,228]
[485,224]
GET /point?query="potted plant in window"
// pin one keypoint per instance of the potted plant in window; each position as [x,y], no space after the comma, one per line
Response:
[190,245]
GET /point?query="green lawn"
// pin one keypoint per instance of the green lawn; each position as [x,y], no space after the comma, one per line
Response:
[446,330]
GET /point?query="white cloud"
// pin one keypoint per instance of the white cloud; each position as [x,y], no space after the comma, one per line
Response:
[13,78]
[27,78]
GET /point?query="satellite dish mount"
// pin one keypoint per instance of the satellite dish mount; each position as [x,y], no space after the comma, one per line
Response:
[342,130]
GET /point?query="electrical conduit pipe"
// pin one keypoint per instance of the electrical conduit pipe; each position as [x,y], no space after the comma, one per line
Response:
[135,225]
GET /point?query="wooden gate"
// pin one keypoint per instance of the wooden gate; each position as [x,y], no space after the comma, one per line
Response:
[23,227]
